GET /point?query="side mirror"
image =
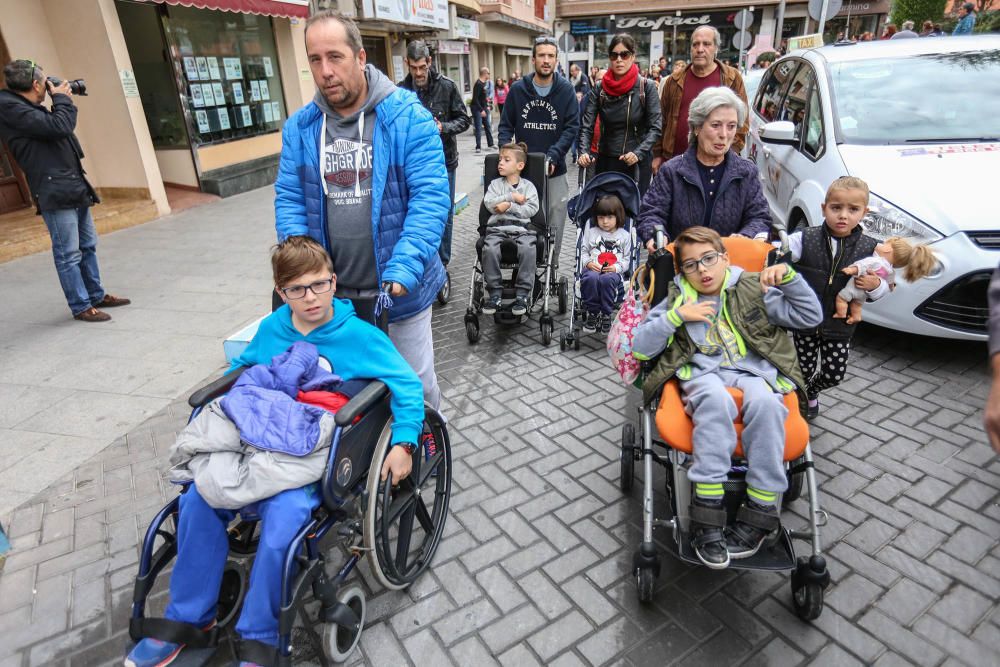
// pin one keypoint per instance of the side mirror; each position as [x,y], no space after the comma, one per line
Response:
[779,132]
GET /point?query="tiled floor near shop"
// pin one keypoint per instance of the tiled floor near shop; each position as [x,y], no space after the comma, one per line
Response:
[535,565]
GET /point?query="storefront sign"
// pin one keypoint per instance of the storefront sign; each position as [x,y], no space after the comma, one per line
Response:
[511,51]
[860,8]
[664,20]
[429,13]
[805,42]
[465,28]
[453,47]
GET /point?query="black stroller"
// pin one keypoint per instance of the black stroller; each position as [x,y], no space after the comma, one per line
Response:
[581,209]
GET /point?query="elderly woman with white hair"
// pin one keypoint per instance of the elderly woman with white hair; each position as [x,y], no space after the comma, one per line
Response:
[709,184]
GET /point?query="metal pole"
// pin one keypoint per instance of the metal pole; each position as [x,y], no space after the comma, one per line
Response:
[781,25]
[822,16]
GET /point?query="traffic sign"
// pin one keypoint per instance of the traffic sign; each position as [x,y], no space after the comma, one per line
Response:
[816,6]
[743,19]
[742,40]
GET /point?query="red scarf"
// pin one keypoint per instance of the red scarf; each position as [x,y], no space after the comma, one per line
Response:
[618,87]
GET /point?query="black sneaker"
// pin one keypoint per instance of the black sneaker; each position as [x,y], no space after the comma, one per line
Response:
[520,306]
[708,521]
[491,305]
[606,324]
[590,323]
[754,524]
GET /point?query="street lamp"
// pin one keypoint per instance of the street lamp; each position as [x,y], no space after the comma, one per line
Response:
[673,43]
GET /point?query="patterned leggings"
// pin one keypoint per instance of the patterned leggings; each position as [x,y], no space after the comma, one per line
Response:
[823,362]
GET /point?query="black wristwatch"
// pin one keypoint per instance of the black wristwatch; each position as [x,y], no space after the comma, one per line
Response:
[408,446]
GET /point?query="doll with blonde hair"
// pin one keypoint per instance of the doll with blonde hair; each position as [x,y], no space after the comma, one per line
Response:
[893,253]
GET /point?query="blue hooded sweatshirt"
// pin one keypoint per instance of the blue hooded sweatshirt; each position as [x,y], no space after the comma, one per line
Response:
[547,124]
[355,350]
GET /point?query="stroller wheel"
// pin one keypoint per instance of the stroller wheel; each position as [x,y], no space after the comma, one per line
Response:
[645,579]
[545,325]
[472,328]
[445,293]
[563,294]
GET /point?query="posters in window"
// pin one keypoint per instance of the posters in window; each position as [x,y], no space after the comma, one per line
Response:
[275,111]
[213,68]
[237,92]
[202,68]
[265,94]
[268,69]
[202,116]
[196,97]
[255,91]
[237,69]
[208,95]
[227,68]
[220,97]
[190,69]
[245,113]
[268,114]
[223,117]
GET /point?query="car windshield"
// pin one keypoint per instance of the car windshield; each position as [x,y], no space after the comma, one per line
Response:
[937,97]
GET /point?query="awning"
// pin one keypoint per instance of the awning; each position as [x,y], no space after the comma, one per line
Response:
[471,5]
[286,8]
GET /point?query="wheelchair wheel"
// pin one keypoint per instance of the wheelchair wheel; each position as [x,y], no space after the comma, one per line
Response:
[404,524]
[231,592]
[445,292]
[339,641]
[545,325]
[627,458]
[808,601]
[645,579]
[563,295]
[794,491]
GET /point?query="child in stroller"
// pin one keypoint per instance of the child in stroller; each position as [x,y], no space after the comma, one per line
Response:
[607,249]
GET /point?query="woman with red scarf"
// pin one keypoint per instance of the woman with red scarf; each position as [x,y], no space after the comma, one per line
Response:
[629,112]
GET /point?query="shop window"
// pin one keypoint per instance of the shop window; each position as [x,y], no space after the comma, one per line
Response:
[772,89]
[377,54]
[226,68]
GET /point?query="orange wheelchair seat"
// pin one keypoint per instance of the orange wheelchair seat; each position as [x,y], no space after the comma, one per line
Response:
[675,425]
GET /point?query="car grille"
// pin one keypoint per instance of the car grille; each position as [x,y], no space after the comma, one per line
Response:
[961,305]
[986,240]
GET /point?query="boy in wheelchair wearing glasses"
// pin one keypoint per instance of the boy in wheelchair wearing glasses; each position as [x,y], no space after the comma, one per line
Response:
[720,326]
[355,350]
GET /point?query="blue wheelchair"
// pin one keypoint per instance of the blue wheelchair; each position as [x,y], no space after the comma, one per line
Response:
[397,528]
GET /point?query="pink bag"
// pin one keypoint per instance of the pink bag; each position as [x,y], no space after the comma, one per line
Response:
[634,308]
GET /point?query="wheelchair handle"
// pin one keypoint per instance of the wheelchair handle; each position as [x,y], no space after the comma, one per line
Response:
[210,392]
[365,399]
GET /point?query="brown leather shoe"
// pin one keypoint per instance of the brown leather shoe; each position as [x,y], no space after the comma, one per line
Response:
[92,315]
[110,301]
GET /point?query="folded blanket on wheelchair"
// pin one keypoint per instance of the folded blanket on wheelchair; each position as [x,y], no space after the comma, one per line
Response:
[258,440]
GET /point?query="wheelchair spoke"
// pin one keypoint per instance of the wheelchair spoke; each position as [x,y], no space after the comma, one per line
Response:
[424,517]
[401,502]
[428,467]
[403,537]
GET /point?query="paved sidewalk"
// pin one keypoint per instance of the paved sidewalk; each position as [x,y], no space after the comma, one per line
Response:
[534,568]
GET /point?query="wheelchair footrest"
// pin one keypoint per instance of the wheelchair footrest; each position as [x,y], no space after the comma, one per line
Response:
[778,556]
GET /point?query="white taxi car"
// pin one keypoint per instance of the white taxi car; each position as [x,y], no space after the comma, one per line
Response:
[919,121]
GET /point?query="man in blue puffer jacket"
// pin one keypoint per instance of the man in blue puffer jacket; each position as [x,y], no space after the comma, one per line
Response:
[379,200]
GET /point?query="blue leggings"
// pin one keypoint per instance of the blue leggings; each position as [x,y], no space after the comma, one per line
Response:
[202,546]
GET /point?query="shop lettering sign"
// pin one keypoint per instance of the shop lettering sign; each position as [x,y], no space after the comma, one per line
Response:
[656,23]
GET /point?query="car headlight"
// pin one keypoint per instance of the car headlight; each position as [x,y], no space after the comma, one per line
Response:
[884,220]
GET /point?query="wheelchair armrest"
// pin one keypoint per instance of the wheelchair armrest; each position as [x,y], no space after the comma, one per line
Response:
[365,399]
[214,389]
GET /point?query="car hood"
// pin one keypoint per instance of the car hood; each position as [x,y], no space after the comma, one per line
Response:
[943,185]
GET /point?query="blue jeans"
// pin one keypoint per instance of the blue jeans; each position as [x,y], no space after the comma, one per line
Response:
[444,250]
[202,546]
[480,125]
[74,248]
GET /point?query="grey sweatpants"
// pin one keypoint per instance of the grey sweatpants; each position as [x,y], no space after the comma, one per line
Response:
[412,338]
[526,260]
[714,439]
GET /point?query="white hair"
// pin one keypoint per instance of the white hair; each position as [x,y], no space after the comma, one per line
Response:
[708,101]
[715,35]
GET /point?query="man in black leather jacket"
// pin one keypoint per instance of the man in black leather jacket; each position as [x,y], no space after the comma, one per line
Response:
[43,144]
[441,97]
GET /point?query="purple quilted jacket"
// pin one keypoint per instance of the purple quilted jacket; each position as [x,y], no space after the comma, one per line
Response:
[675,199]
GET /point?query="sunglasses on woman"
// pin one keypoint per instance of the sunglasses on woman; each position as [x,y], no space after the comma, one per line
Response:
[620,55]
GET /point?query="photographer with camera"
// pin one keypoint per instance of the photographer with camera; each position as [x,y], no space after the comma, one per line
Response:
[43,143]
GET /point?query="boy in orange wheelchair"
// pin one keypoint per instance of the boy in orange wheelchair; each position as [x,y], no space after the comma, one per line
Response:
[720,326]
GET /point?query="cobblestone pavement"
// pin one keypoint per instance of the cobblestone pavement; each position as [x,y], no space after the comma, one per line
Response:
[534,568]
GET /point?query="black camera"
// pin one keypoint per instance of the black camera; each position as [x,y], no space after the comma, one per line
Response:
[76,86]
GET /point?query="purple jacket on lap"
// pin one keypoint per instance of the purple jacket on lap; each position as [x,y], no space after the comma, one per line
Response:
[675,199]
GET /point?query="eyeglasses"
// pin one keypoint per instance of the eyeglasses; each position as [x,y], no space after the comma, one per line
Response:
[545,39]
[709,260]
[299,291]
[620,55]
